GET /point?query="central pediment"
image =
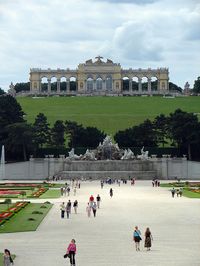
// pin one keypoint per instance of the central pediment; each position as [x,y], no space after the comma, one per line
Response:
[99,61]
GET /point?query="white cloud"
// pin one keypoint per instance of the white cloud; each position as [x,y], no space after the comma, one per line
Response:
[56,33]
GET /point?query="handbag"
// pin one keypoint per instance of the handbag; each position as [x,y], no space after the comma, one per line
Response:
[138,235]
[66,256]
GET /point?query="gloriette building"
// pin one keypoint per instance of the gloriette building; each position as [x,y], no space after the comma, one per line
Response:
[99,77]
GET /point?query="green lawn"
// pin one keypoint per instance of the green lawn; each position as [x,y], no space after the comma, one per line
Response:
[1,260]
[51,194]
[107,113]
[4,207]
[190,194]
[20,223]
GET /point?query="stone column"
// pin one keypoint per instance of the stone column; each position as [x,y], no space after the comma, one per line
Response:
[139,85]
[158,86]
[104,85]
[49,85]
[94,85]
[68,85]
[130,85]
[58,85]
[149,85]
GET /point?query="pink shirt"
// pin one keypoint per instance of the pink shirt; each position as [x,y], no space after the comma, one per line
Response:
[71,247]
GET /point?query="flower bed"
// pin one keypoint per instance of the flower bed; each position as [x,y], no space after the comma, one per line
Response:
[11,211]
[9,192]
[196,190]
[39,192]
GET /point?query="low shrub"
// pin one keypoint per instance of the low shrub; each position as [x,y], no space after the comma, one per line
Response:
[37,212]
[43,207]
[31,219]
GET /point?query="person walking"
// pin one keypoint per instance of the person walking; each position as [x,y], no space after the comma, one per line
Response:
[62,208]
[7,259]
[137,238]
[91,200]
[111,192]
[94,208]
[71,250]
[148,238]
[68,191]
[88,210]
[98,201]
[173,191]
[68,208]
[102,183]
[75,205]
[74,191]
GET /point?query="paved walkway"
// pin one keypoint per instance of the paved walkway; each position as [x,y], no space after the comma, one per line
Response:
[107,239]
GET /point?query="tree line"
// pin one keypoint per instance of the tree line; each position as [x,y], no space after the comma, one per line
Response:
[178,129]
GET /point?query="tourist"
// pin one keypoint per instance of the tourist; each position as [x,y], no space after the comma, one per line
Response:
[61,191]
[88,210]
[75,205]
[68,208]
[173,192]
[75,191]
[62,208]
[7,259]
[71,250]
[177,192]
[65,191]
[68,191]
[181,191]
[98,201]
[137,238]
[94,208]
[91,200]
[148,238]
[111,192]
[153,184]
[102,183]
[156,183]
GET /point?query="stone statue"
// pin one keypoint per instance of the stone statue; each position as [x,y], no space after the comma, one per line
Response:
[89,155]
[73,156]
[89,61]
[109,61]
[128,155]
[12,90]
[144,154]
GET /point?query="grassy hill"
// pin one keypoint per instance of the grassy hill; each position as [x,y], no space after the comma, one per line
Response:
[107,113]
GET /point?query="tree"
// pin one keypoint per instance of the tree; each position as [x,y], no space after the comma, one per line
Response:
[161,128]
[23,194]
[196,88]
[184,129]
[137,136]
[2,91]
[58,134]
[23,86]
[83,137]
[174,87]
[8,202]
[41,130]
[20,139]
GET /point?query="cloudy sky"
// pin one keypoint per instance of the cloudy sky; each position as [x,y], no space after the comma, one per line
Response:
[64,33]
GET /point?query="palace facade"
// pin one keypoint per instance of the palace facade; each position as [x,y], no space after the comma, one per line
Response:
[99,77]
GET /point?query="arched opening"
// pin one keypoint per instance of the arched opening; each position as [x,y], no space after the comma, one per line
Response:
[144,81]
[109,83]
[154,84]
[90,83]
[72,84]
[125,83]
[53,84]
[135,83]
[99,84]
[63,84]
[44,84]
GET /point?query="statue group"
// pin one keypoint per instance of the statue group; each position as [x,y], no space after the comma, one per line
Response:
[107,150]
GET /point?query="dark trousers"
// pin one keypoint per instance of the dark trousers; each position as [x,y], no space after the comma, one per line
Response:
[94,212]
[72,257]
[62,214]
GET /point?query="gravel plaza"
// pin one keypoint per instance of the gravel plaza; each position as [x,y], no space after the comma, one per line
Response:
[107,239]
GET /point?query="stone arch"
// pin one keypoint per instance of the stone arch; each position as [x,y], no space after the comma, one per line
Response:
[63,84]
[72,83]
[90,84]
[125,83]
[154,83]
[53,83]
[109,82]
[135,83]
[144,86]
[99,83]
[44,84]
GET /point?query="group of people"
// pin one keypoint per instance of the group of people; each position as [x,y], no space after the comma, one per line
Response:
[67,208]
[93,205]
[178,192]
[155,183]
[137,238]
